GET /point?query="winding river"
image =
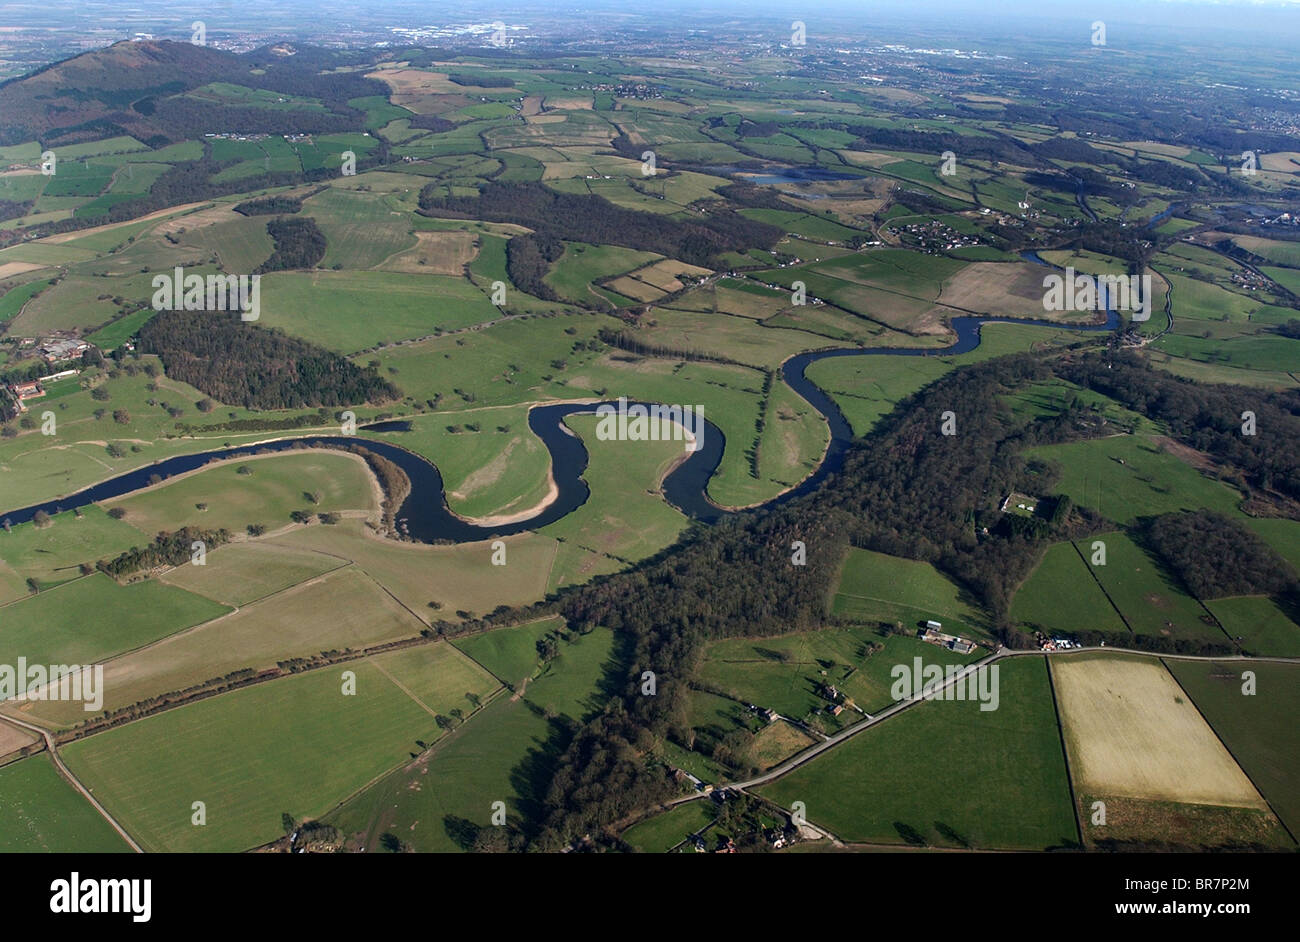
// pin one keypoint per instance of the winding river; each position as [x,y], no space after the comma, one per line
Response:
[424,514]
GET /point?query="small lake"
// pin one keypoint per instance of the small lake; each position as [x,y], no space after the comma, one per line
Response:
[779,175]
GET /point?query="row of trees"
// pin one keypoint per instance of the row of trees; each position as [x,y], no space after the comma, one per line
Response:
[167,549]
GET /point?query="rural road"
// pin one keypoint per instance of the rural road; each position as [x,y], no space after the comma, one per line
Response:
[72,780]
[893,709]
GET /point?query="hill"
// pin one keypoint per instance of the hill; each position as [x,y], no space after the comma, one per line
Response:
[140,88]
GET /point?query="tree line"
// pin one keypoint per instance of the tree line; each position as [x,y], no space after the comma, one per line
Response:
[167,549]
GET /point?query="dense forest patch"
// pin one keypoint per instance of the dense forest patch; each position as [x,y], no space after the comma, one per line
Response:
[269,206]
[299,243]
[243,364]
[559,217]
[1217,557]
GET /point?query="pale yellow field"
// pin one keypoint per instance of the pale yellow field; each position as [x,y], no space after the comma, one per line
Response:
[677,269]
[458,577]
[12,739]
[9,269]
[1282,161]
[1167,150]
[435,253]
[1131,732]
[864,158]
[636,290]
[571,103]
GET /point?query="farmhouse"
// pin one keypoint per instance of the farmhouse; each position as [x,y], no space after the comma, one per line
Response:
[61,348]
[951,642]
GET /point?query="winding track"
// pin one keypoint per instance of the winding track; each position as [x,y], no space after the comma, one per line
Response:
[74,781]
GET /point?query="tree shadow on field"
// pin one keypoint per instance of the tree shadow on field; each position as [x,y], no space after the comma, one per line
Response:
[909,834]
[531,777]
[615,674]
[950,834]
[462,831]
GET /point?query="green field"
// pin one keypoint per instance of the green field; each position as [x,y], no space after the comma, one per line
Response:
[458,578]
[1149,598]
[1282,535]
[504,753]
[41,813]
[13,300]
[509,653]
[438,676]
[664,831]
[84,621]
[582,264]
[1126,477]
[1062,596]
[295,745]
[1258,730]
[947,774]
[362,229]
[351,311]
[867,388]
[53,553]
[786,673]
[1281,252]
[1261,625]
[276,485]
[239,573]
[877,587]
[340,611]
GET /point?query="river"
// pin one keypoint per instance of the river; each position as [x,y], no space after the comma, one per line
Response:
[424,514]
